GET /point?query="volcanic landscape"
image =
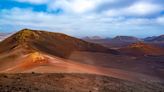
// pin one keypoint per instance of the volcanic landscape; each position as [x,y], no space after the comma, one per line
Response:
[41,61]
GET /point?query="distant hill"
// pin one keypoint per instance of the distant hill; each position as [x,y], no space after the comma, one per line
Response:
[126,39]
[149,38]
[155,39]
[58,44]
[116,42]
[87,38]
[116,39]
[142,49]
[4,35]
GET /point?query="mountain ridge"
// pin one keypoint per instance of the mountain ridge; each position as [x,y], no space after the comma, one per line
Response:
[155,39]
[49,42]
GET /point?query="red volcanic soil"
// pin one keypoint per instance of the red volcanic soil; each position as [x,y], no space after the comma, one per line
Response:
[63,82]
[41,63]
[142,49]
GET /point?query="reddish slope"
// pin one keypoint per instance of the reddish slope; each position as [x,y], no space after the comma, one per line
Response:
[41,63]
[142,49]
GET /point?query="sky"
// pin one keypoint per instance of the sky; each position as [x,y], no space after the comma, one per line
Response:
[107,18]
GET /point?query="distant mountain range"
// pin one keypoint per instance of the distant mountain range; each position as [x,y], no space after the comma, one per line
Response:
[155,39]
[127,38]
[4,35]
[93,38]
[123,41]
[116,42]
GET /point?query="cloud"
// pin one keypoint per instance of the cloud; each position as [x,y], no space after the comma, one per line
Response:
[74,6]
[160,20]
[143,8]
[34,1]
[136,9]
[88,17]
[76,25]
[108,7]
[27,18]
